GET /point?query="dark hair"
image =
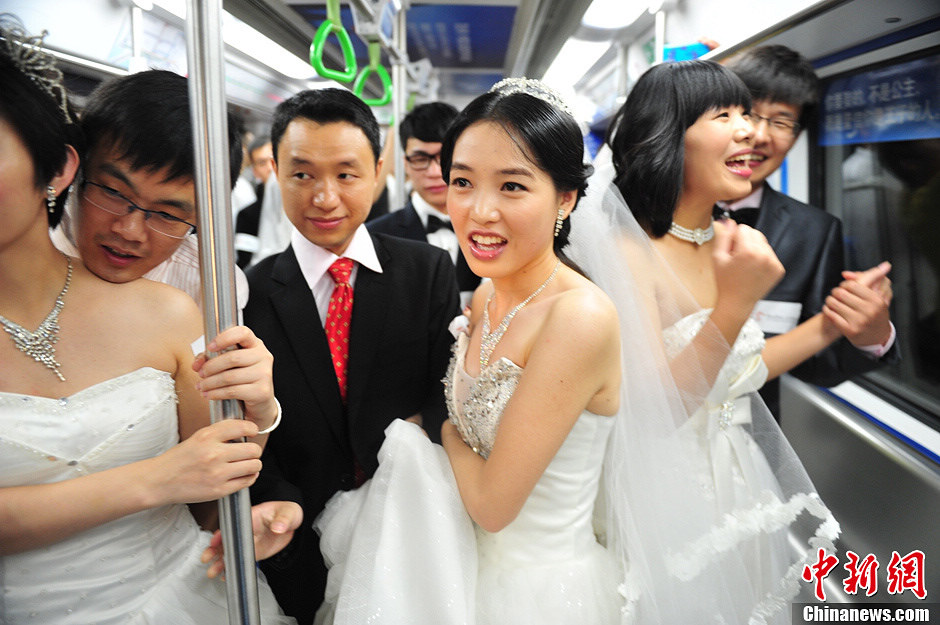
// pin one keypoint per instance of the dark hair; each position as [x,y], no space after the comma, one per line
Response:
[41,125]
[647,134]
[779,74]
[259,142]
[325,106]
[427,122]
[548,137]
[146,117]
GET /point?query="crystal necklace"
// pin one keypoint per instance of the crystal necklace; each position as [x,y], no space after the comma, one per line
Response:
[488,341]
[697,236]
[40,345]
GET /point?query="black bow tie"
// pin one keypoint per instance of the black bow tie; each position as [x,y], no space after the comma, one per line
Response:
[746,216]
[436,223]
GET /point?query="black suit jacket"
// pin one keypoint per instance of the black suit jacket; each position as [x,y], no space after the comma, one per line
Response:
[808,241]
[398,353]
[406,224]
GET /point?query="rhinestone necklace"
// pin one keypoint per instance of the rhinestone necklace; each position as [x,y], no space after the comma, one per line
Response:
[40,345]
[488,341]
[697,236]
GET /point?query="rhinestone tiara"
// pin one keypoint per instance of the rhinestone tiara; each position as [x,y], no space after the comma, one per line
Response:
[534,88]
[26,53]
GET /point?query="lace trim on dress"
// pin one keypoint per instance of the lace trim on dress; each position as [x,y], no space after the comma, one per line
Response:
[769,515]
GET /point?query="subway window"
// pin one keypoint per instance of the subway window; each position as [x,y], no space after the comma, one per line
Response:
[879,148]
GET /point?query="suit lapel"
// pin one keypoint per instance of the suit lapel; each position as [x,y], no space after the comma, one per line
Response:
[368,326]
[297,312]
[773,217]
[411,227]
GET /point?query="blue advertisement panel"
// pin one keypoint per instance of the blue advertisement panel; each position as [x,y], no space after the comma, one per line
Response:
[896,103]
[456,35]
[468,83]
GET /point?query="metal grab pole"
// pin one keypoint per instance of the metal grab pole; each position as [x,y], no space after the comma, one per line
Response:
[217,265]
[399,102]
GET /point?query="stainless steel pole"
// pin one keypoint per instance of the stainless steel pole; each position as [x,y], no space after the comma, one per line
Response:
[217,263]
[399,102]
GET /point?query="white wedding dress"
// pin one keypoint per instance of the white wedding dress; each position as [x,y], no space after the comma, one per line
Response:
[402,549]
[752,516]
[140,569]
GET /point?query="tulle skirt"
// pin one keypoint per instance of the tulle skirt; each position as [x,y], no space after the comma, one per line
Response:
[402,549]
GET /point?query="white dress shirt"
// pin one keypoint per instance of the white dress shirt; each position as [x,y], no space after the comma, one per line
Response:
[315,263]
[442,238]
[274,228]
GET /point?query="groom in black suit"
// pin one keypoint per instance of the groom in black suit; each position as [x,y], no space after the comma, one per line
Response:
[424,217]
[807,240]
[343,371]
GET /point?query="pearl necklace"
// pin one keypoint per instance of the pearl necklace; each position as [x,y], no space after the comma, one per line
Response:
[488,342]
[697,236]
[40,345]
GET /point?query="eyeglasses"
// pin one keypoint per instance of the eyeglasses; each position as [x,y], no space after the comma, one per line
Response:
[422,160]
[110,201]
[780,126]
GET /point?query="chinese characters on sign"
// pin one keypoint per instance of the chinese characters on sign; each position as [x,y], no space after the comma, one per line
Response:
[903,573]
[896,103]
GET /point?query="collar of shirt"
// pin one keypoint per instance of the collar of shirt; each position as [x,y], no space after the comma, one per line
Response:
[315,263]
[424,209]
[749,201]
[442,238]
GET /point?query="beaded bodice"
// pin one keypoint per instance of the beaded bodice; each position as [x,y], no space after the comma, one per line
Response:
[743,370]
[475,404]
[556,521]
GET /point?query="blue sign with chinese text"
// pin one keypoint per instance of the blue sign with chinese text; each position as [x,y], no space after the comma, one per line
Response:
[896,103]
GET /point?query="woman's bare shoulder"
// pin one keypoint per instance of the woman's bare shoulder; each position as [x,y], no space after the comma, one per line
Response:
[583,314]
[145,302]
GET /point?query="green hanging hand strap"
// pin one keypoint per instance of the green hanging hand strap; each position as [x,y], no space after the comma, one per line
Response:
[333,24]
[375,65]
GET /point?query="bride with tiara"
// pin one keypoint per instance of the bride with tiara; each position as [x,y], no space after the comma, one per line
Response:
[572,486]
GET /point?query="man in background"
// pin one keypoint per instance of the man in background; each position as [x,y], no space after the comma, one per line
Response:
[424,217]
[807,240]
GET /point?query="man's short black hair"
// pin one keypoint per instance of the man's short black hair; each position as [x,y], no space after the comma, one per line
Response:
[779,74]
[325,106]
[145,116]
[427,122]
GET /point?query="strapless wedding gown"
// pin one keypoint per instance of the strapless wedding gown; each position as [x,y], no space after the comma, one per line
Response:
[140,569]
[766,511]
[402,549]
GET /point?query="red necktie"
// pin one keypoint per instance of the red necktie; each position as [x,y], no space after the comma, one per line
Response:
[337,319]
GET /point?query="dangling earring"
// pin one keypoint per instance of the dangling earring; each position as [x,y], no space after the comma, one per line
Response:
[50,199]
[559,220]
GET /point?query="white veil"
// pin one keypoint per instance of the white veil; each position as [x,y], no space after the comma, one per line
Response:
[691,553]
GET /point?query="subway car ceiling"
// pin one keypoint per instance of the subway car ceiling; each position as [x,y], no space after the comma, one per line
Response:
[470,45]
[827,32]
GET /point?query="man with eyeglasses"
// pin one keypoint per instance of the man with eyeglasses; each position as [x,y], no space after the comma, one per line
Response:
[424,217]
[807,240]
[136,210]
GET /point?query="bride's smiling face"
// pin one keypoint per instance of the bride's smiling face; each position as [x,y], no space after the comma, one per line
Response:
[502,205]
[717,155]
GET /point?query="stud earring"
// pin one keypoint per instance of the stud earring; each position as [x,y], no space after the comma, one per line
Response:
[559,220]
[50,198]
